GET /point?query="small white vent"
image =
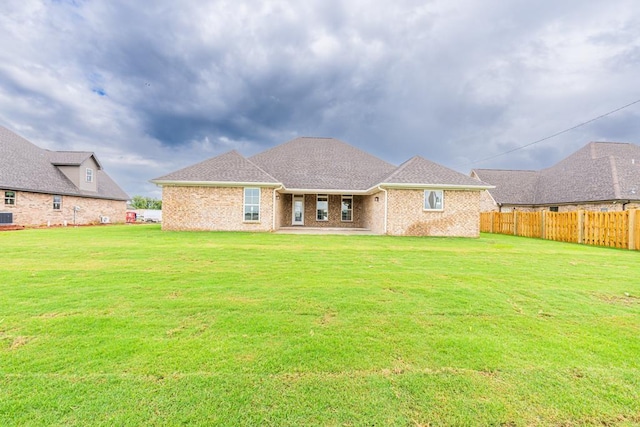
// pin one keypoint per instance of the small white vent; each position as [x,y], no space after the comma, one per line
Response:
[104,220]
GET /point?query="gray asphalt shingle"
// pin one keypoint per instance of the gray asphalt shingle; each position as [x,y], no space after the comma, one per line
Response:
[599,171]
[229,167]
[419,170]
[317,164]
[323,164]
[27,167]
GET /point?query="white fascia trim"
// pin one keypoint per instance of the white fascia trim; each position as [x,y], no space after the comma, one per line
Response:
[214,184]
[323,191]
[436,186]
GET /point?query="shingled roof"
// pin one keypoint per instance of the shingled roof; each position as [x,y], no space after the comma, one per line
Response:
[230,167]
[320,165]
[27,167]
[420,171]
[71,158]
[511,186]
[323,164]
[600,171]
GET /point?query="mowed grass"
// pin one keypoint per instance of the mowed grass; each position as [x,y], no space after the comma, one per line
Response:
[129,325]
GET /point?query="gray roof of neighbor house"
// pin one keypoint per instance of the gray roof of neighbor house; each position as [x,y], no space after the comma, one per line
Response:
[600,171]
[71,158]
[516,186]
[317,164]
[26,167]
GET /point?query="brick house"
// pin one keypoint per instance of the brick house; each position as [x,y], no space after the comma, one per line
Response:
[41,187]
[320,183]
[601,176]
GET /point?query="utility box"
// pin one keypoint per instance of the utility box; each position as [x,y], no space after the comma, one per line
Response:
[6,218]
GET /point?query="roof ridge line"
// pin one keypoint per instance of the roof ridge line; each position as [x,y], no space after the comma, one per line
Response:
[614,176]
[399,169]
[262,170]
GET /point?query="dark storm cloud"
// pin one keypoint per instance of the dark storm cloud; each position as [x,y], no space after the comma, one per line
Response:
[152,87]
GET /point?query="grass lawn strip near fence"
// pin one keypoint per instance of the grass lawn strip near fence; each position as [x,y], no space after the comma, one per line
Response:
[126,325]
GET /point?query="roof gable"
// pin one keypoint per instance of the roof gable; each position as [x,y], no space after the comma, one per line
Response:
[71,158]
[229,167]
[421,171]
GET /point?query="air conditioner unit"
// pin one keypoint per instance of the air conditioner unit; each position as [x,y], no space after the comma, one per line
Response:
[104,219]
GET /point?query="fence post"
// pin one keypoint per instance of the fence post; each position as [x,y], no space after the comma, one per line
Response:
[491,228]
[580,226]
[632,229]
[543,231]
[515,222]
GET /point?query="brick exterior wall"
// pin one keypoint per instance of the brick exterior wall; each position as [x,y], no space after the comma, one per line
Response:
[487,204]
[374,212]
[406,216]
[335,212]
[213,209]
[222,208]
[35,209]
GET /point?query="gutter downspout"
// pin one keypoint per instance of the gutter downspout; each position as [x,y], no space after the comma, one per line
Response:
[386,207]
[273,214]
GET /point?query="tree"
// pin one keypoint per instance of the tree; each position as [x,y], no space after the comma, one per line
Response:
[141,202]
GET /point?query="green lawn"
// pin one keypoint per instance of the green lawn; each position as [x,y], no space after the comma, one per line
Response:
[128,325]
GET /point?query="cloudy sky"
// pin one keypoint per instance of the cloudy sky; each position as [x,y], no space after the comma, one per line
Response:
[154,86]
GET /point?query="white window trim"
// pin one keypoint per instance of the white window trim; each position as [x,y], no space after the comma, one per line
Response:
[53,203]
[350,210]
[424,201]
[318,196]
[10,198]
[89,175]
[244,204]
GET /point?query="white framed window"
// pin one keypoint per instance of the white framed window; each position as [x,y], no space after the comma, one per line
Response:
[57,203]
[322,207]
[433,200]
[252,204]
[347,208]
[9,197]
[89,175]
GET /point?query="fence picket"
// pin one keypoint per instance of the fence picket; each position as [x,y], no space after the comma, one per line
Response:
[613,229]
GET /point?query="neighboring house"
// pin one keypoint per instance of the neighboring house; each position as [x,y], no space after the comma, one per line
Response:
[320,182]
[601,176]
[42,187]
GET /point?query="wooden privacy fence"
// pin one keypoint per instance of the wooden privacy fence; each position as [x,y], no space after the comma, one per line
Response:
[613,229]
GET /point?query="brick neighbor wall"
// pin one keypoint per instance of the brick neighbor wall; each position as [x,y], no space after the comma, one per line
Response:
[36,209]
[406,214]
[594,207]
[213,209]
